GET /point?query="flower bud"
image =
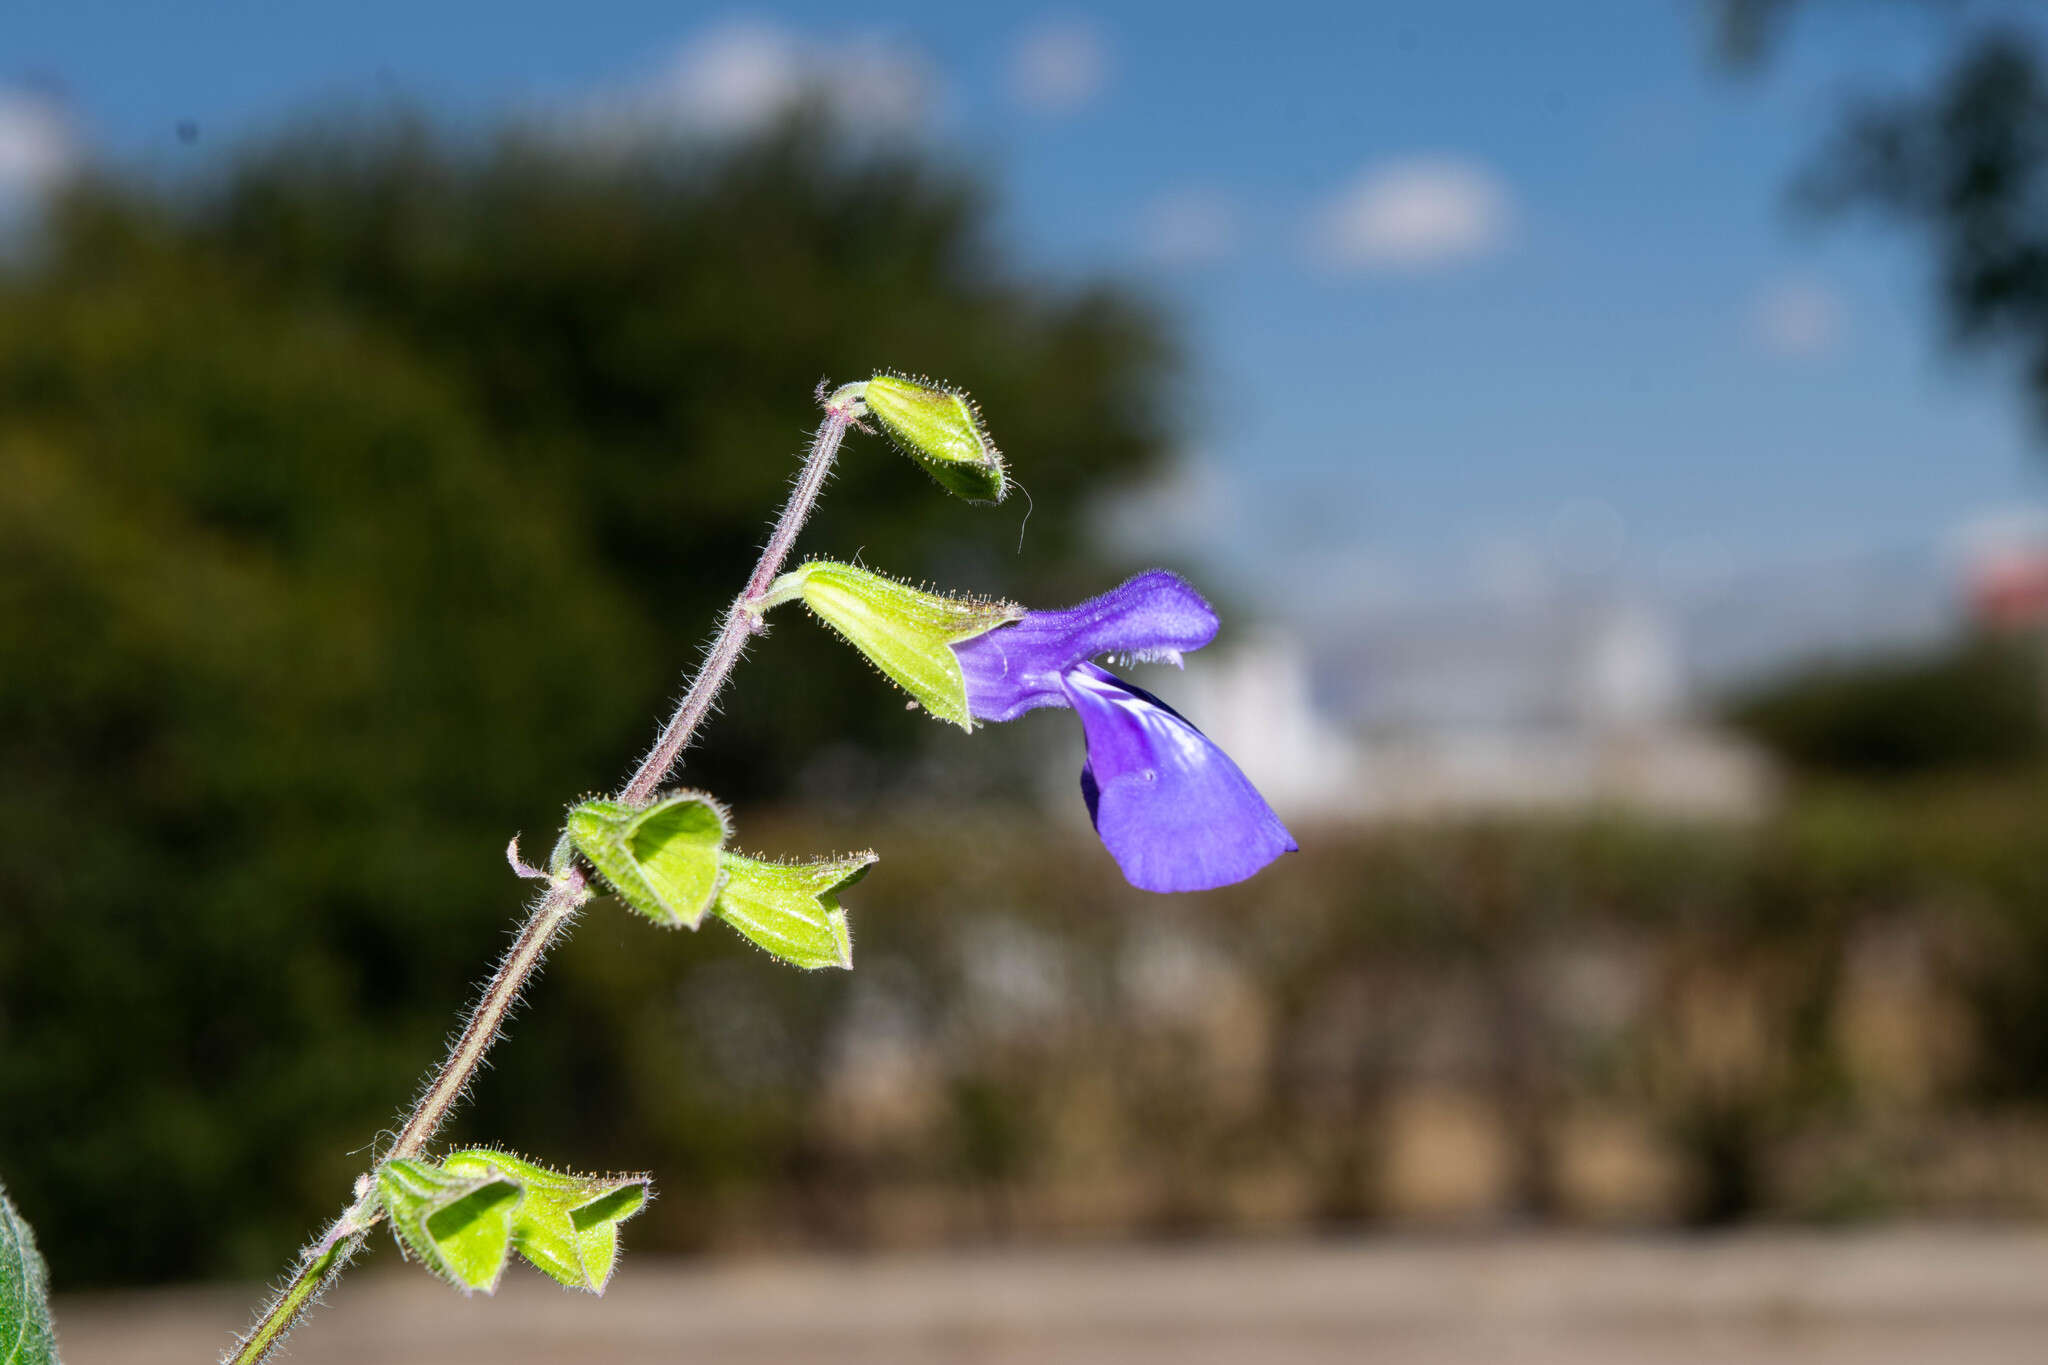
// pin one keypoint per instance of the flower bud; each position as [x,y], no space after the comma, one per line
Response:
[907,633]
[941,430]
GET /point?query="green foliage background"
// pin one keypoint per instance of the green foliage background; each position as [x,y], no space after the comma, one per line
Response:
[1976,704]
[362,505]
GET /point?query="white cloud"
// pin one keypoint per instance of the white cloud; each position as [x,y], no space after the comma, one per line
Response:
[1060,66]
[879,85]
[731,79]
[37,145]
[737,78]
[1414,214]
[1189,226]
[1796,319]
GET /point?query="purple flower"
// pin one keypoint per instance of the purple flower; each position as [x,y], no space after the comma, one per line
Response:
[1171,807]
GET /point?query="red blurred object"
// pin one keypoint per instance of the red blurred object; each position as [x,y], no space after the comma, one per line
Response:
[2009,590]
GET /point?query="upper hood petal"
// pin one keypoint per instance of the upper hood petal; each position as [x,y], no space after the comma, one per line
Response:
[1013,669]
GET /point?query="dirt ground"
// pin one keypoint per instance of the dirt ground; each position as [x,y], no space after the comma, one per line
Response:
[1925,1296]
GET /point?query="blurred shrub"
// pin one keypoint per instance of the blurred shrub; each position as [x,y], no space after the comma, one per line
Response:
[1600,1021]
[361,506]
[1982,704]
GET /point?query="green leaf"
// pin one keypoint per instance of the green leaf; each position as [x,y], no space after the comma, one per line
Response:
[907,633]
[661,859]
[791,910]
[27,1336]
[458,1224]
[567,1225]
[942,430]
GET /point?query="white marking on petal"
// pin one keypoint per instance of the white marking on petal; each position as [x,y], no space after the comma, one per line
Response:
[1128,657]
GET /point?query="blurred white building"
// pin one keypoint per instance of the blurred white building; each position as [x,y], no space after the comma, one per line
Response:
[1257,701]
[1550,709]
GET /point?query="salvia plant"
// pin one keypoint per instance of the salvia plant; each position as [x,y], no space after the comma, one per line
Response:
[1171,808]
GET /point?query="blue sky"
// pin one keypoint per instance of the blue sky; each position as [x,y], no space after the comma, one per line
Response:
[1472,285]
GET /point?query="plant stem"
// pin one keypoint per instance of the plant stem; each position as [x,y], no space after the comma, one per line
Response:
[318,1268]
[549,918]
[322,1262]
[739,622]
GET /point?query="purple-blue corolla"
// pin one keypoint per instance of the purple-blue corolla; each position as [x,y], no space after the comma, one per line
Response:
[1171,807]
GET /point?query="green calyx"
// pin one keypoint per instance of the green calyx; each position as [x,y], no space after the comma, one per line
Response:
[939,428]
[660,859]
[903,631]
[669,862]
[458,1225]
[464,1217]
[566,1225]
[791,910]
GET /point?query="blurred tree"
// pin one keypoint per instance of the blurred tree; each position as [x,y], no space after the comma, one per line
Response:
[1974,706]
[1967,163]
[361,506]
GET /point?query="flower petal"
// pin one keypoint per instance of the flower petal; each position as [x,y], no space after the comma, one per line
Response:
[1017,668]
[1173,810]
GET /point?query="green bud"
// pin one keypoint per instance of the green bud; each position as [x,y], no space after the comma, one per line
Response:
[660,859]
[457,1224]
[566,1225]
[941,430]
[791,910]
[906,633]
[26,1332]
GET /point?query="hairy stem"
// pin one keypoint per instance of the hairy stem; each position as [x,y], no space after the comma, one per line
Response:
[549,918]
[739,622]
[322,1263]
[319,1267]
